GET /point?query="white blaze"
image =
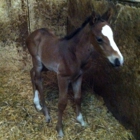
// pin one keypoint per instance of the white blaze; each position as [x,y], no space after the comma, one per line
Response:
[107,31]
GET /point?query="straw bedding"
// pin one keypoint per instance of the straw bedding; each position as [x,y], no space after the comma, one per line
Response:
[20,121]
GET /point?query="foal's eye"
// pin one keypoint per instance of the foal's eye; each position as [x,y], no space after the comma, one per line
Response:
[99,40]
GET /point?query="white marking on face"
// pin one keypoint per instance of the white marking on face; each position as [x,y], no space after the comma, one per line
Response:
[80,119]
[36,100]
[107,31]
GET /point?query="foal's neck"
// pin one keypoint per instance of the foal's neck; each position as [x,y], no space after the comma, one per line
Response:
[82,45]
[82,38]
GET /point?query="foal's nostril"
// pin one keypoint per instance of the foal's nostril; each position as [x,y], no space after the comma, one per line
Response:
[117,62]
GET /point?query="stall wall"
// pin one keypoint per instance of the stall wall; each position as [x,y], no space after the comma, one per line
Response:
[18,18]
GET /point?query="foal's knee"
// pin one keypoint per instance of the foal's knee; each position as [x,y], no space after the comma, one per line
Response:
[38,81]
[62,104]
[32,74]
[78,100]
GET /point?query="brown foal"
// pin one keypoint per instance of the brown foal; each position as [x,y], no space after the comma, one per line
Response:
[69,57]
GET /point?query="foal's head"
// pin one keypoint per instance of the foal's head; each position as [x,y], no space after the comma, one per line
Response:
[104,37]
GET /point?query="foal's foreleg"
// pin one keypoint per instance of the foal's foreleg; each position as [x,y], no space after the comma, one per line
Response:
[63,91]
[76,85]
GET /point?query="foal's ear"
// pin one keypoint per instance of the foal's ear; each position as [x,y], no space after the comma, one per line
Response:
[107,15]
[93,14]
[94,17]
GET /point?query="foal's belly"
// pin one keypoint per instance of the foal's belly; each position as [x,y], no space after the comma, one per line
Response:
[52,66]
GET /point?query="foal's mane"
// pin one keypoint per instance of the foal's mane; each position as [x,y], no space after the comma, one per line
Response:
[68,37]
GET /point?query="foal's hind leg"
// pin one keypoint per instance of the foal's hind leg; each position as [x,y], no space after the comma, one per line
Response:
[35,91]
[38,87]
[63,91]
[76,85]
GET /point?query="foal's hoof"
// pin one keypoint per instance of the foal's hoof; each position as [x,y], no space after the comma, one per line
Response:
[48,119]
[80,120]
[84,124]
[60,134]
[38,108]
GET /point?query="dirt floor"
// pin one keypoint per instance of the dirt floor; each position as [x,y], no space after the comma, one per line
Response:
[20,121]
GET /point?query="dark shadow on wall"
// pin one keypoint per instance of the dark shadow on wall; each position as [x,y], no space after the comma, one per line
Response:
[118,89]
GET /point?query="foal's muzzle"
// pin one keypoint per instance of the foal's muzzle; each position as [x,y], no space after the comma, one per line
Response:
[117,62]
